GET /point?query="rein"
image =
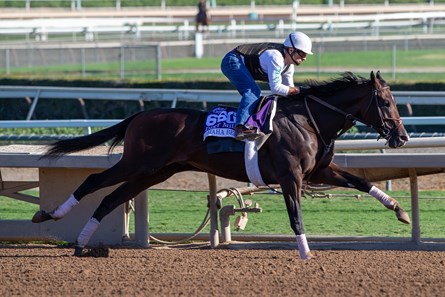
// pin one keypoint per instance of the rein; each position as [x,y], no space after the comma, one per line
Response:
[349,117]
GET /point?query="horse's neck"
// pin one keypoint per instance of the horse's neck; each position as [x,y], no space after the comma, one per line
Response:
[351,103]
[326,120]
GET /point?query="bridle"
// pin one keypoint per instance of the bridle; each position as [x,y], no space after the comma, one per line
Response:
[382,128]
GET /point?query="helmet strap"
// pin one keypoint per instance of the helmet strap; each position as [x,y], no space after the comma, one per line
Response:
[291,41]
[295,49]
[292,56]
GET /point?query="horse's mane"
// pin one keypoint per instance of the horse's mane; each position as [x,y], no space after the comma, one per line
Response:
[336,84]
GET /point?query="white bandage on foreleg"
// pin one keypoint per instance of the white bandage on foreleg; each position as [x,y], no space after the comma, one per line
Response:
[381,196]
[303,247]
[63,209]
[87,232]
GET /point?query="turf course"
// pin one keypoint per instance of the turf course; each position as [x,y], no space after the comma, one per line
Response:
[343,214]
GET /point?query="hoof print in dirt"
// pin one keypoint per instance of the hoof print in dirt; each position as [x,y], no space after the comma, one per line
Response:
[98,252]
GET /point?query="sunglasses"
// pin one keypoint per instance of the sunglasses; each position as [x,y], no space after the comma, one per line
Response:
[299,52]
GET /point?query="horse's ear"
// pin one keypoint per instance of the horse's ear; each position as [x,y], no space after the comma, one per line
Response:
[378,75]
[372,76]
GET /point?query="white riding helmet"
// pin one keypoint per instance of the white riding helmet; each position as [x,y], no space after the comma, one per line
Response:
[299,40]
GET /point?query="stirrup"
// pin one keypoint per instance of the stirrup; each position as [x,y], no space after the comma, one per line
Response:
[246,133]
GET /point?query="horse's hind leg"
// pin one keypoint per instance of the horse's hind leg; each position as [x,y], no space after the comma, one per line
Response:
[334,175]
[122,194]
[120,172]
[91,184]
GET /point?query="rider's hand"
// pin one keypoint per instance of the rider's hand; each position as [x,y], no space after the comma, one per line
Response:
[304,89]
[293,91]
[298,90]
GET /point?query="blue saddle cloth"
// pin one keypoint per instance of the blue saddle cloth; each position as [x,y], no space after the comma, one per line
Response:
[224,145]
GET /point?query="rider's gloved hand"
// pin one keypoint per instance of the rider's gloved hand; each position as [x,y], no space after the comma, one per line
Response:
[304,89]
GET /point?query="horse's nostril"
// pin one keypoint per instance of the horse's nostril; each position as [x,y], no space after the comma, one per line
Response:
[404,137]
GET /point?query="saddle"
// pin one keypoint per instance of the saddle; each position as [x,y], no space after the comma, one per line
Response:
[219,130]
[263,117]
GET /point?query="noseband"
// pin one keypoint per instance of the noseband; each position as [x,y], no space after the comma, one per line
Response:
[383,129]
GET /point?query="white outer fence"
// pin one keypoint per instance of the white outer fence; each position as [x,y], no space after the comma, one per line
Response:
[184,27]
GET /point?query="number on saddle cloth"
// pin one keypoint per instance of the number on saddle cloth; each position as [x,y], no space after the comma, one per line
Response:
[220,122]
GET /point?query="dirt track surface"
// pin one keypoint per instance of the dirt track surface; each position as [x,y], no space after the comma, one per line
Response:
[199,271]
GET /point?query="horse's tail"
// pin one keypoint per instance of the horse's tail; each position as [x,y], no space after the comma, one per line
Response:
[115,133]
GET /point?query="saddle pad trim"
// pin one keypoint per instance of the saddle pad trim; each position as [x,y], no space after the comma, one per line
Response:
[251,163]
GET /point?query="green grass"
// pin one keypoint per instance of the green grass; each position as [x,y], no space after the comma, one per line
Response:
[180,211]
[207,68]
[46,131]
[11,209]
[370,60]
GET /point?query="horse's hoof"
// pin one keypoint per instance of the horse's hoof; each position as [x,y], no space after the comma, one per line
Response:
[307,256]
[78,251]
[402,215]
[97,252]
[41,216]
[310,255]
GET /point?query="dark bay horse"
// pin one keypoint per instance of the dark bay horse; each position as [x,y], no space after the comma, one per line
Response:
[161,142]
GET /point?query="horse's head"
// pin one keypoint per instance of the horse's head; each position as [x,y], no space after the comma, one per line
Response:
[355,98]
[382,114]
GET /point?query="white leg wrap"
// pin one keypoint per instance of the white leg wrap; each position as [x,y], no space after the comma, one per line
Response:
[381,196]
[87,232]
[63,209]
[303,247]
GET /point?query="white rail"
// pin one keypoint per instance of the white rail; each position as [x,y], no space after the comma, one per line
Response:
[184,25]
[171,95]
[35,94]
[369,144]
[11,92]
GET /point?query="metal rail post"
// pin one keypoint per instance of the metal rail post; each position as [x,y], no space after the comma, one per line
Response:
[415,233]
[214,232]
[142,235]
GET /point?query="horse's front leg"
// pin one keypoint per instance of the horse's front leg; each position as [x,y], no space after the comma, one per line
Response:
[291,188]
[334,175]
